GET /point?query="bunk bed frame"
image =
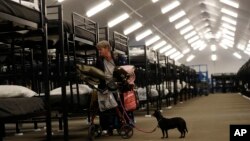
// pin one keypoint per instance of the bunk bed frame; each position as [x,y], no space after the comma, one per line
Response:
[16,16]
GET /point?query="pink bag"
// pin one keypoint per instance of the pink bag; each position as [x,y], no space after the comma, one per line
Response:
[130,100]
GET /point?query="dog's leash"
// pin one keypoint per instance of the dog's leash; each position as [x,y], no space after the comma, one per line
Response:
[144,130]
[137,128]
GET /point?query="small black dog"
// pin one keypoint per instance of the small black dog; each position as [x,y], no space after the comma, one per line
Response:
[165,124]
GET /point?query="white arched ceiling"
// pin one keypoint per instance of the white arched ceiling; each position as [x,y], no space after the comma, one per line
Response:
[203,15]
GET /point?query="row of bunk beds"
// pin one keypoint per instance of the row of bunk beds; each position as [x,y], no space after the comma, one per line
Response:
[39,55]
[166,81]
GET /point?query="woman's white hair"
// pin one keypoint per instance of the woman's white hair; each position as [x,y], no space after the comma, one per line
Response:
[103,44]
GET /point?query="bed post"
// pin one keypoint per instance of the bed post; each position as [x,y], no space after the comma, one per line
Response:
[45,67]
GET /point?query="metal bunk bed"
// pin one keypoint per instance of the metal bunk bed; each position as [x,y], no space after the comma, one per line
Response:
[144,61]
[16,18]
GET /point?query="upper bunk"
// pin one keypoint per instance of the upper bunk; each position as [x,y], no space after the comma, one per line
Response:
[120,47]
[16,15]
[141,56]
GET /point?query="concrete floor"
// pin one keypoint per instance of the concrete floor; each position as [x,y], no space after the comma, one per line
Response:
[208,119]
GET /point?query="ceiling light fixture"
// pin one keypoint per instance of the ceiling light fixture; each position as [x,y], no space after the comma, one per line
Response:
[118,20]
[171,51]
[174,55]
[182,23]
[193,39]
[169,7]
[152,40]
[164,49]
[98,8]
[237,55]
[202,47]
[247,52]
[185,51]
[177,16]
[190,58]
[132,28]
[227,42]
[228,32]
[227,26]
[154,1]
[143,35]
[186,29]
[213,48]
[214,57]
[241,47]
[228,20]
[190,34]
[223,45]
[159,45]
[229,12]
[230,3]
[228,37]
[178,57]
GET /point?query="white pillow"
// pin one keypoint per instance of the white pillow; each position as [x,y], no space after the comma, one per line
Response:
[83,89]
[7,91]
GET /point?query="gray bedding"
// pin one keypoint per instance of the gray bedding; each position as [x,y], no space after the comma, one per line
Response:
[11,107]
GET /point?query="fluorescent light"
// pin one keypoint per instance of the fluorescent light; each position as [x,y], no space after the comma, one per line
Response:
[227,26]
[214,57]
[203,26]
[60,0]
[228,37]
[193,39]
[171,51]
[190,58]
[132,28]
[182,23]
[186,29]
[169,7]
[174,55]
[159,45]
[197,44]
[178,57]
[247,52]
[143,35]
[164,49]
[228,32]
[229,12]
[213,47]
[227,42]
[152,40]
[228,20]
[154,1]
[186,51]
[237,55]
[190,34]
[223,45]
[241,47]
[98,8]
[118,20]
[177,16]
[203,46]
[230,3]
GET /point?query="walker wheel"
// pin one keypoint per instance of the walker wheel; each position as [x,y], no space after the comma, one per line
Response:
[94,131]
[126,132]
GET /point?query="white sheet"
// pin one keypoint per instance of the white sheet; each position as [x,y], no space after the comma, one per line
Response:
[83,89]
